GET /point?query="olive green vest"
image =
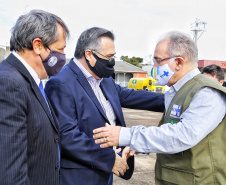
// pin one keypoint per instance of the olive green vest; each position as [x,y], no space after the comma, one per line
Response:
[205,163]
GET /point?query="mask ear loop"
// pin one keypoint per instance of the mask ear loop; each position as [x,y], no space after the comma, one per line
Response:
[85,53]
[40,57]
[171,61]
[48,49]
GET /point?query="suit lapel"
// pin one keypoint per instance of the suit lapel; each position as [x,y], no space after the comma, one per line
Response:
[86,86]
[24,72]
[113,98]
[43,103]
[53,116]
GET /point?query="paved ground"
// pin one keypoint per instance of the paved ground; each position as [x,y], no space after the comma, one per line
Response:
[144,163]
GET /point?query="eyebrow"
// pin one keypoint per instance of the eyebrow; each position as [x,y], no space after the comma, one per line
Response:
[112,54]
[156,58]
[62,47]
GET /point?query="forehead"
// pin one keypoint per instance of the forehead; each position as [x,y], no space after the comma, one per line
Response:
[61,41]
[211,76]
[107,45]
[161,48]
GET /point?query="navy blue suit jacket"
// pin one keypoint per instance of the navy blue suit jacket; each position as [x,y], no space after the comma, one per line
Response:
[28,134]
[79,112]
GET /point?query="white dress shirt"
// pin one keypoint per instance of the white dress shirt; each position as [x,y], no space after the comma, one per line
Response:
[28,67]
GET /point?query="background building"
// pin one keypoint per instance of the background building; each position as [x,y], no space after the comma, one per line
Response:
[4,52]
[124,71]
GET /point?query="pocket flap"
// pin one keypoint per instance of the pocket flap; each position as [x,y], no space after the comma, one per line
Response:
[176,176]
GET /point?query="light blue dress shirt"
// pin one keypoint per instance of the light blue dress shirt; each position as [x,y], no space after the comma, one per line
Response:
[203,115]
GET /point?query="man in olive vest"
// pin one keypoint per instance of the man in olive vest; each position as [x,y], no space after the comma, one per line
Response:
[190,139]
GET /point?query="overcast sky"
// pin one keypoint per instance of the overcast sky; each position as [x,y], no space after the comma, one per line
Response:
[137,24]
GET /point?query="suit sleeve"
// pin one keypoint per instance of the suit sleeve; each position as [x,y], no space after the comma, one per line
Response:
[75,144]
[140,99]
[13,133]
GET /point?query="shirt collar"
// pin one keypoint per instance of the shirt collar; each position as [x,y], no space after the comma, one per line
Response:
[186,78]
[86,73]
[28,67]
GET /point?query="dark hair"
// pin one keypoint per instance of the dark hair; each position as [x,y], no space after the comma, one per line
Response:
[90,39]
[224,84]
[35,24]
[214,70]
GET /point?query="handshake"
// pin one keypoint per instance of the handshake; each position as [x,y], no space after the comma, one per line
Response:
[109,136]
[121,165]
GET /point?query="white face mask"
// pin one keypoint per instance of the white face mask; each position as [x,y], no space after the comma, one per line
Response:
[163,74]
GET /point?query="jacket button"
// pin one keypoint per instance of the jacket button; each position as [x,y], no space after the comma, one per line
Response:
[57,168]
[56,140]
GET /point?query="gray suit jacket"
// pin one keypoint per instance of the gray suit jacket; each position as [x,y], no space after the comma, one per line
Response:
[28,132]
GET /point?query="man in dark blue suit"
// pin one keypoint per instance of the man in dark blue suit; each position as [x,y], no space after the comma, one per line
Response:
[29,145]
[84,97]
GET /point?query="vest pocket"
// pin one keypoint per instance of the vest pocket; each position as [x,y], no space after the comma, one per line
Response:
[177,176]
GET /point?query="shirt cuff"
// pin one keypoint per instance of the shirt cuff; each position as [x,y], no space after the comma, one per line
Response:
[125,136]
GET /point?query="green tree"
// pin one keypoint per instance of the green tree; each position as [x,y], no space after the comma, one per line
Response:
[134,60]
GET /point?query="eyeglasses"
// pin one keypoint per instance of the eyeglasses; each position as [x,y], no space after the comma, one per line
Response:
[109,59]
[157,61]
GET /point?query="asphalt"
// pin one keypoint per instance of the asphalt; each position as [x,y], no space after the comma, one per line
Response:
[144,163]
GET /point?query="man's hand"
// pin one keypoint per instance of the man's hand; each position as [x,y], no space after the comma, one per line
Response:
[108,135]
[120,165]
[126,153]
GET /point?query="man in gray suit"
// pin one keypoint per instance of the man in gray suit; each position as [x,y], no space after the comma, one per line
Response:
[29,149]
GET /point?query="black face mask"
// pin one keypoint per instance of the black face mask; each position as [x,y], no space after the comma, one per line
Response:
[103,68]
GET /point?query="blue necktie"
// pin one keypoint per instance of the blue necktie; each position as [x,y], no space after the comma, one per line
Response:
[43,94]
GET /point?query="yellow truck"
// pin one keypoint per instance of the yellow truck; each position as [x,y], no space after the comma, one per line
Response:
[148,84]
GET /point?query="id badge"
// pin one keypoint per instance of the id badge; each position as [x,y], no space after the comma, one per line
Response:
[175,112]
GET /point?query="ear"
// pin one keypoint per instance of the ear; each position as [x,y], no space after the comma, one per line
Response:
[221,82]
[88,55]
[37,46]
[179,63]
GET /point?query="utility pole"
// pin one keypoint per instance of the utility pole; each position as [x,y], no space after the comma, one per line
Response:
[198,26]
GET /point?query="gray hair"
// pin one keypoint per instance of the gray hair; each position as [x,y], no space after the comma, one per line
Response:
[90,39]
[181,44]
[35,24]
